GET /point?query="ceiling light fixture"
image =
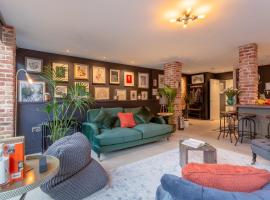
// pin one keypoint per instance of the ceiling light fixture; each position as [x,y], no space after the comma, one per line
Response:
[187,17]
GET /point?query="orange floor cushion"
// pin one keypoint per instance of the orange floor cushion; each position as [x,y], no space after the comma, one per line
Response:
[226,177]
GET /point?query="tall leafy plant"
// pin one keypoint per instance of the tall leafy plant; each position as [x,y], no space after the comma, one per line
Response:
[170,93]
[61,114]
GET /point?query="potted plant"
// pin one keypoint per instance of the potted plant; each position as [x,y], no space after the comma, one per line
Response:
[61,114]
[231,93]
[170,94]
[187,100]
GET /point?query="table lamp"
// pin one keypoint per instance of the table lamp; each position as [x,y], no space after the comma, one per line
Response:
[163,102]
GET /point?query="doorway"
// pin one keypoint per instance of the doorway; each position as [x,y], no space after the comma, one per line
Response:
[214,99]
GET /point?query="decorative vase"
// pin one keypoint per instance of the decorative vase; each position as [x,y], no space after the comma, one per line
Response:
[230,101]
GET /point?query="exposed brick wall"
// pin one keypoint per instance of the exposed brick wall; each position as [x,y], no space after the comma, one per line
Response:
[172,77]
[248,73]
[7,80]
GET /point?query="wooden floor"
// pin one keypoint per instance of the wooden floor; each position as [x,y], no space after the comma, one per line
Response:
[199,129]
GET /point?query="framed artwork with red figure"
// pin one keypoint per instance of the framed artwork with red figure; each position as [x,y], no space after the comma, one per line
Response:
[129,79]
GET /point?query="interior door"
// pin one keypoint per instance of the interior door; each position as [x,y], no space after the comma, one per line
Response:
[214,99]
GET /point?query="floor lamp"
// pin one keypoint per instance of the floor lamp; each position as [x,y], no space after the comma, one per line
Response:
[16,95]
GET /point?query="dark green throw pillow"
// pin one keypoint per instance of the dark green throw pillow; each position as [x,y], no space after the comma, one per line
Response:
[144,116]
[139,119]
[104,120]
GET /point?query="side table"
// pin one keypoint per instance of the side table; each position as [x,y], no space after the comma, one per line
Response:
[166,116]
[209,153]
[32,178]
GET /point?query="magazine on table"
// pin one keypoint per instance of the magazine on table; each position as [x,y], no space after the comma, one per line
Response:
[193,143]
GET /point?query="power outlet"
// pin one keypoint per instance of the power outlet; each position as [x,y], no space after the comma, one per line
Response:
[36,129]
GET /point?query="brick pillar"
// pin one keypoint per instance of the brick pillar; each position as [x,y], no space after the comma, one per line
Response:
[248,74]
[172,77]
[7,80]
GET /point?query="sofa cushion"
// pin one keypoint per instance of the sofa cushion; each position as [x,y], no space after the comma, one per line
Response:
[144,115]
[104,119]
[92,113]
[133,110]
[151,129]
[126,120]
[262,143]
[117,136]
[226,177]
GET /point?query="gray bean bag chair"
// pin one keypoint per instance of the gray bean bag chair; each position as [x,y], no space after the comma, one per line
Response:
[79,175]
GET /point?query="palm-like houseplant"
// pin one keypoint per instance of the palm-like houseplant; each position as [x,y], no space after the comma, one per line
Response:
[61,114]
[170,94]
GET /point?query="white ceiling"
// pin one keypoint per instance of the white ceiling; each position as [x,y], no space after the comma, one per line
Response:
[137,32]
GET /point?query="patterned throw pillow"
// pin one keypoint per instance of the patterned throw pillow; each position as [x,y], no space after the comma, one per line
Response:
[104,119]
[126,120]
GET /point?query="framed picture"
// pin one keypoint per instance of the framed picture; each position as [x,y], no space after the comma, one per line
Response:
[154,82]
[102,93]
[221,87]
[144,95]
[81,71]
[121,94]
[129,79]
[197,79]
[133,95]
[33,65]
[143,80]
[99,75]
[86,84]
[154,92]
[60,91]
[114,76]
[31,92]
[60,72]
[160,81]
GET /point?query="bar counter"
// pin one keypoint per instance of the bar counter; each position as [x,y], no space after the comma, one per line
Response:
[261,111]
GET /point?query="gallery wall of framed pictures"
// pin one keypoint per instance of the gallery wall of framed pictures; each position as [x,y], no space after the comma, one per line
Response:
[105,81]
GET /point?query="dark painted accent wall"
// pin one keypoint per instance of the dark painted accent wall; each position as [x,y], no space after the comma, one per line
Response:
[30,115]
[224,76]
[264,72]
[207,76]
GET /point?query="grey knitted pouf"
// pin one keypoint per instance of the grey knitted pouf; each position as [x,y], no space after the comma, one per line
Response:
[79,175]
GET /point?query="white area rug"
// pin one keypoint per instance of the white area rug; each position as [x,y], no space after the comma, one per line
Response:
[139,180]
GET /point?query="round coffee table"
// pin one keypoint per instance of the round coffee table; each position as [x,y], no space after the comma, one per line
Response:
[32,178]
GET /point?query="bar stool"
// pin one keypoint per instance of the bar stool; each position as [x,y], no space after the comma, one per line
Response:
[229,117]
[268,127]
[247,120]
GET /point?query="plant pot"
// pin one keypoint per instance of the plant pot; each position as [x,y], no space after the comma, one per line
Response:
[186,123]
[230,101]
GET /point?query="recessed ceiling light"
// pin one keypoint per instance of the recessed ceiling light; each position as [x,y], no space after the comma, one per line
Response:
[68,50]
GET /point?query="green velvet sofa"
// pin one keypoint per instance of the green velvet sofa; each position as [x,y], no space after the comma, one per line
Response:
[116,138]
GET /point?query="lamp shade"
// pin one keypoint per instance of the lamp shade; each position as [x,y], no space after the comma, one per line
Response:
[163,100]
[267,86]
